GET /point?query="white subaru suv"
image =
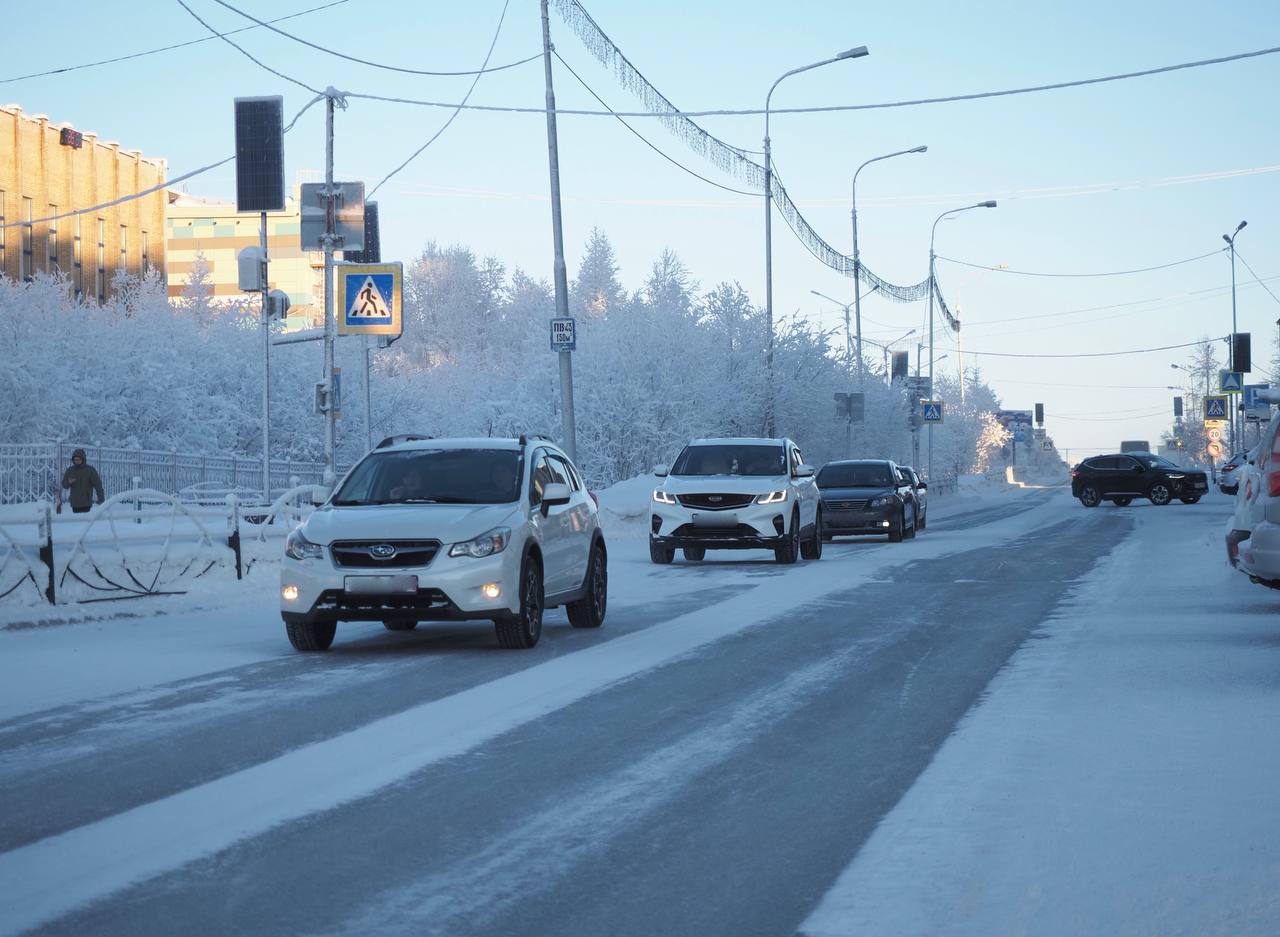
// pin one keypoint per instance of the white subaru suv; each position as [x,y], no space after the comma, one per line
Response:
[426,529]
[736,494]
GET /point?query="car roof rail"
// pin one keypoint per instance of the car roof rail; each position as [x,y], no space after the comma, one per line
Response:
[525,437]
[403,437]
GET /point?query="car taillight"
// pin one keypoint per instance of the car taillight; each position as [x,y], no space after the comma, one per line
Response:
[1075,474]
[1273,484]
[594,498]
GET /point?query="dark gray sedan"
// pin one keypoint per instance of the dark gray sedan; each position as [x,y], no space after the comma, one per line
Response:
[867,496]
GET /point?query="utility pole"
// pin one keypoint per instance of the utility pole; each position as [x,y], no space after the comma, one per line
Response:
[568,427]
[1236,418]
[266,363]
[330,238]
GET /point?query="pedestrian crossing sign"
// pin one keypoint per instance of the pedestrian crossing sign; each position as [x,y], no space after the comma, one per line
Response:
[1230,382]
[931,411]
[1215,408]
[369,299]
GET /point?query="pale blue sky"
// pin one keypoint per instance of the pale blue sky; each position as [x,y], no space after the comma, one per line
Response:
[484,182]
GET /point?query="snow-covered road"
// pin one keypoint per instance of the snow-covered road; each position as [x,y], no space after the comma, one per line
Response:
[1034,718]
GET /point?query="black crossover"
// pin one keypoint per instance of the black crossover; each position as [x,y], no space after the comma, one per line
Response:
[1121,478]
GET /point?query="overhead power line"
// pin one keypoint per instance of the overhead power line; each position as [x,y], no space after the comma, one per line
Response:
[178,45]
[245,53]
[646,141]
[829,108]
[382,65]
[1111,419]
[454,116]
[1087,354]
[1256,278]
[1110,273]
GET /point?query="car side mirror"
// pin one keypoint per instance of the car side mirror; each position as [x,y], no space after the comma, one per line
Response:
[923,486]
[555,493]
[804,471]
[661,471]
[1139,468]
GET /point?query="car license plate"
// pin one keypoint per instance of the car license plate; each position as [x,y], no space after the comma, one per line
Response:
[1202,484]
[380,585]
[716,519]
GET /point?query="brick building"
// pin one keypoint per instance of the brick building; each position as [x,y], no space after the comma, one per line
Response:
[49,169]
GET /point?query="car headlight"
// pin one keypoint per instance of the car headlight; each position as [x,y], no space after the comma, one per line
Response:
[487,544]
[298,547]
[663,497]
[1172,476]
[773,497]
[881,501]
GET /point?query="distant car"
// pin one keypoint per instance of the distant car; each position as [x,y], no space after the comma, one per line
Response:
[736,494]
[868,496]
[1122,477]
[922,495]
[1229,473]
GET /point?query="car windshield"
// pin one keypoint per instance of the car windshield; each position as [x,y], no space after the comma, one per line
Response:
[858,475]
[434,476]
[731,459]
[1157,461]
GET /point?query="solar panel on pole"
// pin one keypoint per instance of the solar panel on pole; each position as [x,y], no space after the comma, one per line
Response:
[372,253]
[260,154]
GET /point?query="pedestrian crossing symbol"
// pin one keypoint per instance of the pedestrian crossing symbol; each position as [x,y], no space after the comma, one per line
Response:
[931,411]
[368,298]
[1215,408]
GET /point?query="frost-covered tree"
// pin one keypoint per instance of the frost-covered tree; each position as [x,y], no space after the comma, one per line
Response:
[596,292]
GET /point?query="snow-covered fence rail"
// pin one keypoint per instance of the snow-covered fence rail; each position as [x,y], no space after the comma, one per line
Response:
[32,471]
[140,542]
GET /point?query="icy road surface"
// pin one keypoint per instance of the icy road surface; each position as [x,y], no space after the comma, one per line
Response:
[1032,719]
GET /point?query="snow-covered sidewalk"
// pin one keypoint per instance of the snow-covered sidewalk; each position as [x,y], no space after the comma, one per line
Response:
[1119,778]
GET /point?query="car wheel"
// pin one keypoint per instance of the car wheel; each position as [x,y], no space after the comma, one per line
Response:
[523,629]
[1090,497]
[695,554]
[920,523]
[401,624]
[895,531]
[1192,500]
[811,549]
[789,552]
[311,636]
[1160,493]
[660,554]
[909,533]
[1122,502]
[588,611]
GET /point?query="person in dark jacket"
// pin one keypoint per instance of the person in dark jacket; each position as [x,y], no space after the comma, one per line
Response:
[82,481]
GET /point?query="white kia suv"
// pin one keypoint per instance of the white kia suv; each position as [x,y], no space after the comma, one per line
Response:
[426,529]
[736,494]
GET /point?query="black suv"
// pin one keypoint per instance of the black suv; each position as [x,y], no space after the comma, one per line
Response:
[1121,478]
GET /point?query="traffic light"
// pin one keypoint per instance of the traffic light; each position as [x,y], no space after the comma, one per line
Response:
[900,366]
[1240,348]
[1040,414]
[1177,406]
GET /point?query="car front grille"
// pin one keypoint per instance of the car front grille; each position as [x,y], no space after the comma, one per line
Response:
[715,502]
[845,505]
[423,600]
[690,532]
[363,554]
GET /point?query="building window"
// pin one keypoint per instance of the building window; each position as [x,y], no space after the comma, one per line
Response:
[52,239]
[124,248]
[146,256]
[24,263]
[100,279]
[77,258]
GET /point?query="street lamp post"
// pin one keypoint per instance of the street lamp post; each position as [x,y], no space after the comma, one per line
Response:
[932,288]
[857,257]
[858,52]
[1231,354]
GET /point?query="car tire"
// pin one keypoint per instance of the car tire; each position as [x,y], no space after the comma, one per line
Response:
[695,554]
[920,524]
[523,629]
[811,549]
[896,531]
[400,624]
[660,554]
[789,552]
[311,635]
[1191,500]
[1090,497]
[910,532]
[1122,502]
[1160,494]
[588,611]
